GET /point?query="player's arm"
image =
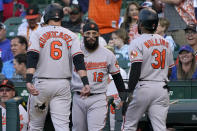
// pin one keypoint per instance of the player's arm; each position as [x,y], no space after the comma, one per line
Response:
[32,60]
[78,61]
[134,75]
[119,85]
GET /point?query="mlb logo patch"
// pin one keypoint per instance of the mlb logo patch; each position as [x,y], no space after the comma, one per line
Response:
[133,54]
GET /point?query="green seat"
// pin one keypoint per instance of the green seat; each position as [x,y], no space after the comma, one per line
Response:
[183,89]
[125,64]
[12,25]
[21,90]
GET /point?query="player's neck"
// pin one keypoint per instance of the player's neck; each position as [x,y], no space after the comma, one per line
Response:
[51,22]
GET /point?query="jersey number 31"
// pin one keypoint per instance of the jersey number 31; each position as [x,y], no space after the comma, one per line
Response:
[159,58]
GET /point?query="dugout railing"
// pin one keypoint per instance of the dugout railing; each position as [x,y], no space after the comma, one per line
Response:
[179,90]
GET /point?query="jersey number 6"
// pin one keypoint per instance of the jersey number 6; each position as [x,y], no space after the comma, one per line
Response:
[56,53]
[159,58]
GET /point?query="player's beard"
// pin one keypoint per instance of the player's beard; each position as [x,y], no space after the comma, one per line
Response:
[91,46]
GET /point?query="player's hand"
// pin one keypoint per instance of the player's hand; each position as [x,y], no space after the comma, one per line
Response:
[120,105]
[85,91]
[67,10]
[32,90]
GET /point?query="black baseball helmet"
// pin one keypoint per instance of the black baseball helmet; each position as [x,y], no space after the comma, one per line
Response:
[53,12]
[148,18]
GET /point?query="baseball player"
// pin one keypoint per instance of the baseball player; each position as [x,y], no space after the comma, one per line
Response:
[151,58]
[49,56]
[89,114]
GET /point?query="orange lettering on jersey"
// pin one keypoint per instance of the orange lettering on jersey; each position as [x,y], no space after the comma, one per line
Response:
[146,44]
[21,117]
[156,42]
[54,34]
[3,120]
[95,65]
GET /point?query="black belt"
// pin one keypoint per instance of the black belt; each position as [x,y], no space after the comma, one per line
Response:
[91,94]
[50,78]
[151,80]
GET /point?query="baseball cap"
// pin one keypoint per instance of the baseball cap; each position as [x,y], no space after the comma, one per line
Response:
[147,4]
[192,27]
[75,9]
[7,83]
[2,26]
[32,12]
[90,26]
[186,48]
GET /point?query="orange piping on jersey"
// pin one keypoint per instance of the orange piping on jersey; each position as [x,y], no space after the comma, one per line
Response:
[171,65]
[95,68]
[115,72]
[55,34]
[136,61]
[32,29]
[34,50]
[77,54]
[156,42]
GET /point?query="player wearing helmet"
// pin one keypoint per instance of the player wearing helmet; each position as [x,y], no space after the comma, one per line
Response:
[52,49]
[151,58]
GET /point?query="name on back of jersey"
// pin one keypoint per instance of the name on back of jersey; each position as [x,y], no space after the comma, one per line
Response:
[54,34]
[156,42]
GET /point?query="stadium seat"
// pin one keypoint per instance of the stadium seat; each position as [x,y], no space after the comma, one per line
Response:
[123,63]
[12,25]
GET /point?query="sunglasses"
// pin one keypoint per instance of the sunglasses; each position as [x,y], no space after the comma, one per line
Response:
[5,89]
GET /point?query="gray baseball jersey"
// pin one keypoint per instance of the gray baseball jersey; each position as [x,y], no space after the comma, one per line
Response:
[56,49]
[149,95]
[161,57]
[98,65]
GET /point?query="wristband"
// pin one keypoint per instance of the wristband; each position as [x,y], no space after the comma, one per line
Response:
[29,78]
[84,79]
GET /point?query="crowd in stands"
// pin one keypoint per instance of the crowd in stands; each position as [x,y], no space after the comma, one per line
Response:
[177,24]
[175,17]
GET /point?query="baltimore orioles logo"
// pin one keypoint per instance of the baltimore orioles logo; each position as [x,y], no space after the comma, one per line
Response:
[133,54]
[31,11]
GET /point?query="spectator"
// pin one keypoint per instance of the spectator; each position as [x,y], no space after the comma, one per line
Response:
[20,65]
[191,36]
[19,45]
[2,9]
[186,69]
[120,42]
[177,23]
[6,53]
[1,66]
[130,20]
[162,29]
[7,91]
[32,17]
[15,8]
[106,14]
[75,18]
